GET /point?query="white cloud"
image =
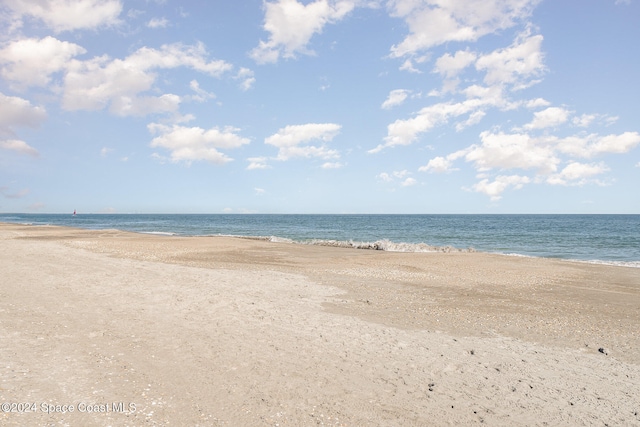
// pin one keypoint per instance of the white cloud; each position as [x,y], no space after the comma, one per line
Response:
[118,83]
[332,165]
[104,151]
[474,119]
[449,66]
[290,140]
[67,15]
[257,163]
[405,132]
[511,151]
[543,155]
[16,113]
[409,182]
[259,191]
[188,144]
[434,22]
[577,173]
[402,175]
[19,147]
[385,177]
[550,117]
[158,23]
[516,64]
[292,24]
[201,94]
[593,145]
[537,103]
[246,77]
[407,65]
[395,98]
[495,189]
[584,120]
[31,62]
[442,164]
[437,165]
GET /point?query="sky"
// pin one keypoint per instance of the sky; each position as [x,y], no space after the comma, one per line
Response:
[323,106]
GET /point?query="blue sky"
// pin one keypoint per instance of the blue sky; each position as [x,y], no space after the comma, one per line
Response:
[325,106]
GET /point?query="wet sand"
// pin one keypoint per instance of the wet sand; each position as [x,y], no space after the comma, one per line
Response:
[134,329]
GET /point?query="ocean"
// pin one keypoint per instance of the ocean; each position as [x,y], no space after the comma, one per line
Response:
[609,239]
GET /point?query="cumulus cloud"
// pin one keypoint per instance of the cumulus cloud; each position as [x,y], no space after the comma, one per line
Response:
[121,85]
[442,164]
[292,24]
[188,144]
[402,176]
[479,99]
[593,145]
[158,23]
[550,117]
[495,188]
[257,163]
[201,94]
[409,182]
[66,15]
[395,98]
[537,103]
[503,160]
[15,113]
[385,177]
[450,65]
[18,112]
[516,64]
[246,78]
[100,82]
[332,165]
[511,151]
[406,131]
[291,141]
[18,146]
[432,22]
[542,155]
[31,62]
[577,173]
[474,119]
[585,120]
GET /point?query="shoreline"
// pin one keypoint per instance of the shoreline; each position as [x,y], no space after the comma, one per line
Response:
[381,245]
[227,331]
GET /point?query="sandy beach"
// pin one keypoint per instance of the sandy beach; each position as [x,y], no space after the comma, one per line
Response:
[116,328]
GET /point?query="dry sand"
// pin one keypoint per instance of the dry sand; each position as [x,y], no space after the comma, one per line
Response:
[237,332]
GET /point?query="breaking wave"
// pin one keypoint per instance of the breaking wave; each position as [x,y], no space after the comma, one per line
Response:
[378,245]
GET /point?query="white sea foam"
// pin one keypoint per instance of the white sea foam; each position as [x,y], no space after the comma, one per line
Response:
[276,239]
[386,245]
[630,264]
[159,233]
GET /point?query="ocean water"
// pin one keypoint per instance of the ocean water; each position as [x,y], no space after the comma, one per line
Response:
[611,239]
